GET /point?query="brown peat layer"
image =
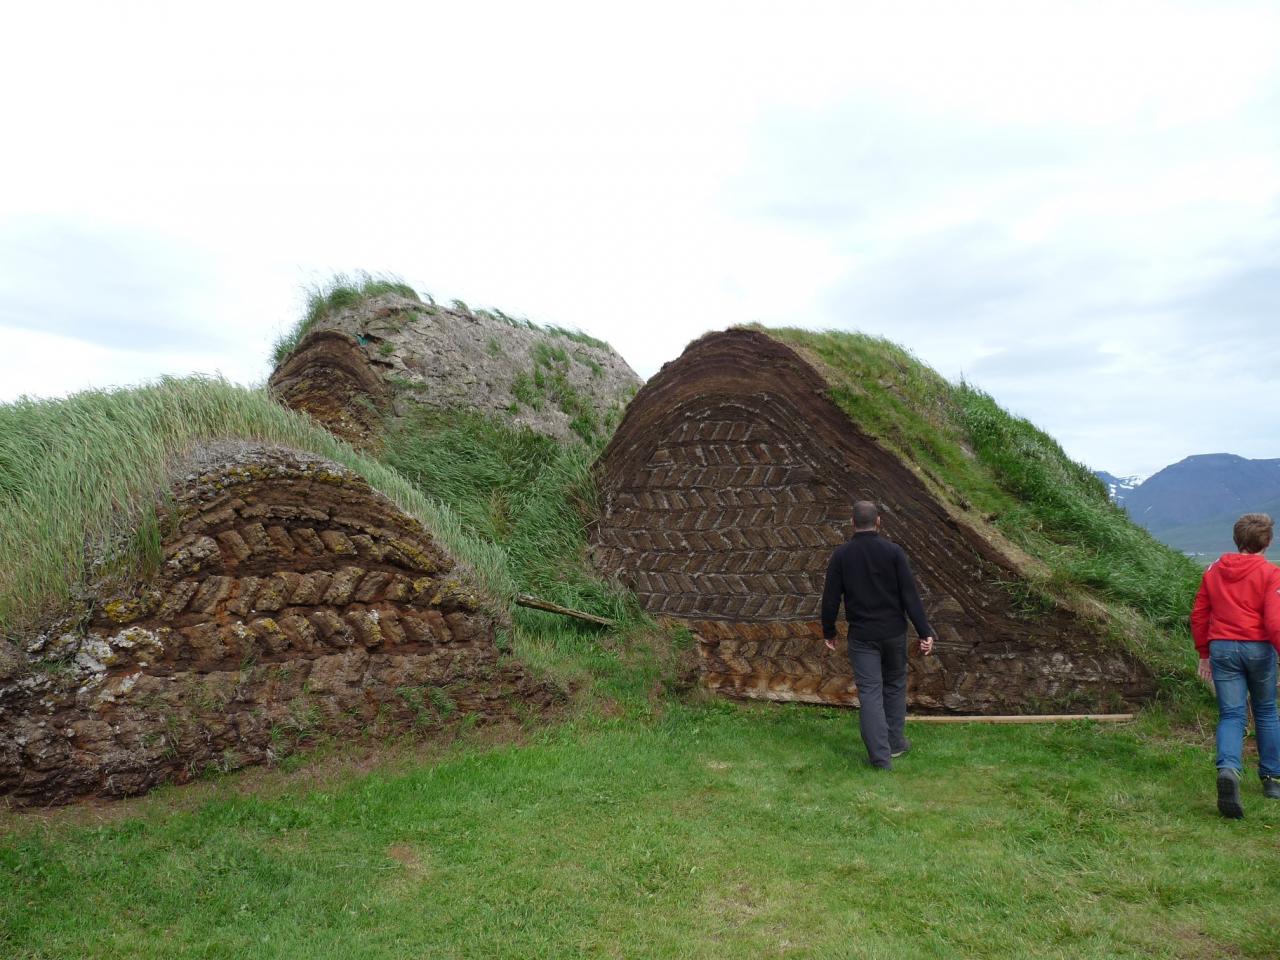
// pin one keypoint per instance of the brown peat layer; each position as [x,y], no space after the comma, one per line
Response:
[331,378]
[723,492]
[291,601]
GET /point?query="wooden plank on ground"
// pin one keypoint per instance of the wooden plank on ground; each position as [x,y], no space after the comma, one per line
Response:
[1025,718]
[536,603]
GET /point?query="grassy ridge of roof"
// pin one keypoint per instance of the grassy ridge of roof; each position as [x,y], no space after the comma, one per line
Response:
[343,291]
[1004,470]
[82,477]
[337,293]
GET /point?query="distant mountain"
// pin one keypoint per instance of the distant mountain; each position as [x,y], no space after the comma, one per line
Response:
[1118,488]
[1192,504]
[1203,488]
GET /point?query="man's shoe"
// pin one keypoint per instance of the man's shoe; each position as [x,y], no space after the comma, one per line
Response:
[1229,794]
[1271,788]
[899,751]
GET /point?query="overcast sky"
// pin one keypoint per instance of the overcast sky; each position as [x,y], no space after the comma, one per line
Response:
[1075,206]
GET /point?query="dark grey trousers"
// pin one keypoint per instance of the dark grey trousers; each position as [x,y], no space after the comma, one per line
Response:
[880,670]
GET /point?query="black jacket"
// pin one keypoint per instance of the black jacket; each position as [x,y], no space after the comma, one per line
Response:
[871,575]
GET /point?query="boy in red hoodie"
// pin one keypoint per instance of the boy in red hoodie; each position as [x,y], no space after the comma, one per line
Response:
[1236,626]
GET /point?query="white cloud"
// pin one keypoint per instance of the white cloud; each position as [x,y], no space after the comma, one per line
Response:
[39,364]
[971,179]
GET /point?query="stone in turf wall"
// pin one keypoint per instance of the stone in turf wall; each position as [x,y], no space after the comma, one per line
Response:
[723,492]
[292,601]
[389,353]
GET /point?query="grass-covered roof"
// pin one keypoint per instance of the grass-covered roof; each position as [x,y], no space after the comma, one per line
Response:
[81,481]
[81,478]
[1008,476]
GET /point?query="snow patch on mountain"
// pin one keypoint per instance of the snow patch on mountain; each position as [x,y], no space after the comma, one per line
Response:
[1118,487]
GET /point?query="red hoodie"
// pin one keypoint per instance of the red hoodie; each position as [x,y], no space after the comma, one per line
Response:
[1239,599]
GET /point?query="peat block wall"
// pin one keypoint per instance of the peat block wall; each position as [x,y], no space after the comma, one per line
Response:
[726,487]
[292,600]
[331,378]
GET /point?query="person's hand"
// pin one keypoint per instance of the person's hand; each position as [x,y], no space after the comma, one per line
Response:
[830,642]
[926,646]
[1205,671]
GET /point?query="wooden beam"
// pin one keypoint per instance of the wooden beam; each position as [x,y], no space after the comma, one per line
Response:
[1026,718]
[536,603]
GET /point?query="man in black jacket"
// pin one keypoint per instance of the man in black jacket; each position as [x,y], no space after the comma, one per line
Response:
[872,577]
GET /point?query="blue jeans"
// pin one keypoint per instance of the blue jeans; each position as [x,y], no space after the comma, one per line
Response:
[1246,671]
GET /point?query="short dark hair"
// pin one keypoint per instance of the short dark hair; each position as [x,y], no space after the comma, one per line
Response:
[1252,532]
[865,514]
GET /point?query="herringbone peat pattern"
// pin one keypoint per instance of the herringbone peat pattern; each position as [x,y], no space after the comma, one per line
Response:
[724,491]
[729,527]
[726,522]
[292,601]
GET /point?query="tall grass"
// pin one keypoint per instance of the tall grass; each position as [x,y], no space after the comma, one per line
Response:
[1061,511]
[81,477]
[530,498]
[524,492]
[992,463]
[338,293]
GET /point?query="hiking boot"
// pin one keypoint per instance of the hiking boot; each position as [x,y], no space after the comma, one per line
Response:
[1229,794]
[899,751]
[1271,788]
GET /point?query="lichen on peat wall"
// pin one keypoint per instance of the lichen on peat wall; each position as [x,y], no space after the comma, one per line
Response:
[292,601]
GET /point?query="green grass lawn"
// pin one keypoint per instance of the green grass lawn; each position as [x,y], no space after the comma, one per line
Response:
[712,831]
